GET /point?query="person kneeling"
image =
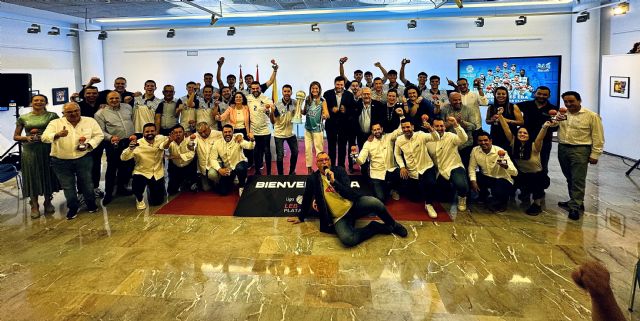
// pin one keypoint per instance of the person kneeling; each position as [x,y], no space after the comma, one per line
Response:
[328,191]
[228,160]
[149,166]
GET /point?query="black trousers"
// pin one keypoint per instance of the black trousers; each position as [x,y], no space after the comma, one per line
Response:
[157,192]
[96,169]
[118,171]
[181,178]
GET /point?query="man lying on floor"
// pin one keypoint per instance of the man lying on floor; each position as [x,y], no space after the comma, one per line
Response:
[327,191]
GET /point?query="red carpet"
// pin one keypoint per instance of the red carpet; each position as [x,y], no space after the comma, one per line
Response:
[212,204]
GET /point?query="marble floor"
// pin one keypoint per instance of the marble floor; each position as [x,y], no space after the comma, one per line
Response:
[124,264]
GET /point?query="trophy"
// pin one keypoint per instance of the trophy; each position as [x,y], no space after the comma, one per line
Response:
[192,141]
[297,113]
[425,119]
[563,114]
[82,143]
[35,133]
[554,114]
[501,160]
[133,141]
[354,152]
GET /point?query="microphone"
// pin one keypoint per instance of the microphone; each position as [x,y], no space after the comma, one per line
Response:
[325,172]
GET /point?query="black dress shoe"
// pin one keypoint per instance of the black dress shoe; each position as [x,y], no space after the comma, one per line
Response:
[574,215]
[565,205]
[72,213]
[107,199]
[399,230]
[534,210]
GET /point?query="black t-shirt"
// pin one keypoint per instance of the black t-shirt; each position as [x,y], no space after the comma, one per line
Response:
[535,117]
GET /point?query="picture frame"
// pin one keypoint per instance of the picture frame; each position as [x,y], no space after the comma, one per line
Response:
[619,86]
[60,96]
[615,221]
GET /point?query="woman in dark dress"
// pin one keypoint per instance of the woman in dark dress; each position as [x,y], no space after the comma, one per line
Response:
[509,111]
[37,176]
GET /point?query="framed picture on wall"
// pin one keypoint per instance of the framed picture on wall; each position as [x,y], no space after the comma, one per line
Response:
[619,87]
[60,95]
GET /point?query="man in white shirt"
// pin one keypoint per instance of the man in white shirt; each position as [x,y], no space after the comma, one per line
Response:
[496,169]
[416,166]
[72,138]
[229,161]
[181,169]
[187,109]
[259,109]
[383,170]
[205,138]
[466,118]
[581,141]
[148,154]
[206,106]
[281,118]
[448,159]
[144,108]
[472,100]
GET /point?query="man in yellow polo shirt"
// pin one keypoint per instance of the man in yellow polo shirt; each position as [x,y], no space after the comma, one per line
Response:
[328,191]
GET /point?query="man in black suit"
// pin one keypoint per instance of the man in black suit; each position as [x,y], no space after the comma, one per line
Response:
[328,190]
[338,126]
[367,112]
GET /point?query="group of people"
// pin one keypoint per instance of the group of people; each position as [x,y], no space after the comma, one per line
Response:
[403,137]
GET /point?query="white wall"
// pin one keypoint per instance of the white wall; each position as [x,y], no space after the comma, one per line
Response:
[305,56]
[620,116]
[51,61]
[621,32]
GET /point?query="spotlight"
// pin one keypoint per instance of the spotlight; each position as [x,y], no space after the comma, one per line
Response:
[103,35]
[480,22]
[214,19]
[459,3]
[54,31]
[171,33]
[412,24]
[231,31]
[35,28]
[315,28]
[72,33]
[621,8]
[521,21]
[350,27]
[584,16]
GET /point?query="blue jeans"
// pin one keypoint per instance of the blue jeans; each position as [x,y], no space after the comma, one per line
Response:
[293,147]
[226,182]
[458,178]
[381,188]
[262,153]
[345,228]
[72,172]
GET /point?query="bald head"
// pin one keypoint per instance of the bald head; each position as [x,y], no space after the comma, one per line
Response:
[455,98]
[113,99]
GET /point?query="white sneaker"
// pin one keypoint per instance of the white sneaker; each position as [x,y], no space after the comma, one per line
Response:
[240,190]
[141,205]
[395,195]
[430,210]
[462,204]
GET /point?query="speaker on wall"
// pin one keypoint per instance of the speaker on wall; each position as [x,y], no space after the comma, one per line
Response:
[15,90]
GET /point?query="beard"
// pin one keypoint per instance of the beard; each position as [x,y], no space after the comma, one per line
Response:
[149,136]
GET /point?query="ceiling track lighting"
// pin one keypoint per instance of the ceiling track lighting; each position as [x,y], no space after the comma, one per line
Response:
[412,24]
[231,31]
[102,35]
[54,31]
[479,22]
[72,33]
[315,28]
[350,27]
[620,8]
[35,28]
[583,16]
[171,33]
[521,21]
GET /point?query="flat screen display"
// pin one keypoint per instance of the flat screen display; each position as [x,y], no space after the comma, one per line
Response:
[520,75]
